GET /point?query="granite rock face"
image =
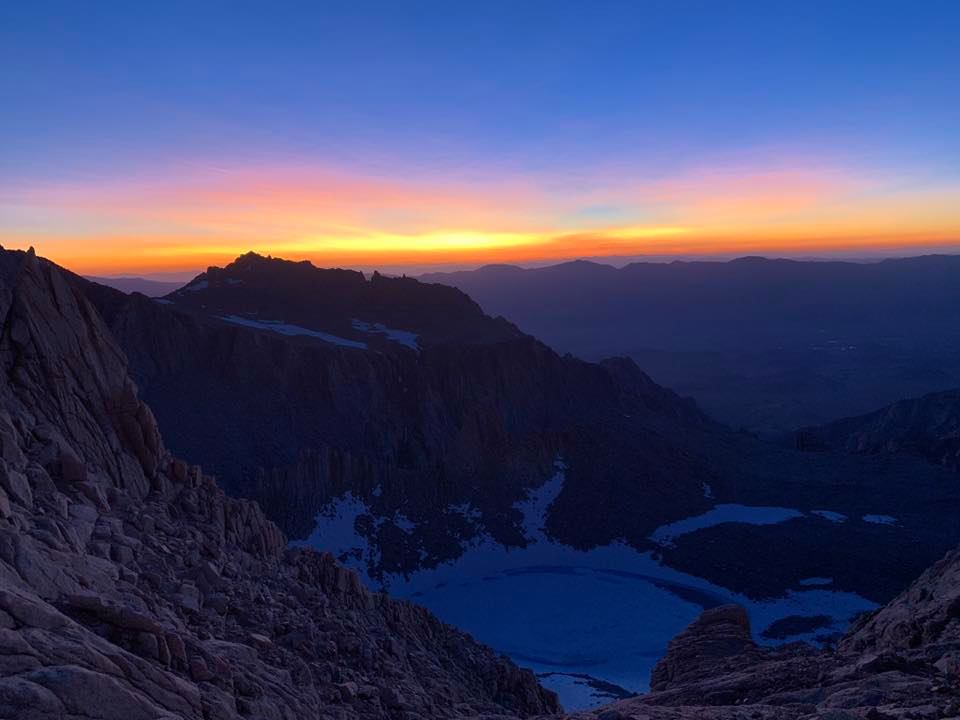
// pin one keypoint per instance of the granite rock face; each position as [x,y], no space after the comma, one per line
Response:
[718,633]
[900,662]
[132,587]
[475,414]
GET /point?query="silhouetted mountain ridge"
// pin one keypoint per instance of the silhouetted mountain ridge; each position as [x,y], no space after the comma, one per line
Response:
[767,344]
[272,290]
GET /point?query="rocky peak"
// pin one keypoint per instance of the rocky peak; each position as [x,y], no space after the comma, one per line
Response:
[64,368]
[341,304]
[718,633]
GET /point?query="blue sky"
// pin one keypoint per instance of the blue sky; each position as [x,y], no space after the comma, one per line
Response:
[566,94]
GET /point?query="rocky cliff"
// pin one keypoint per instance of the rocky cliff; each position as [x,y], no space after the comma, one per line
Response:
[472,412]
[902,661]
[132,587]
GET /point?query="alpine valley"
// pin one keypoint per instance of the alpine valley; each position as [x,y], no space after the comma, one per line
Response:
[572,515]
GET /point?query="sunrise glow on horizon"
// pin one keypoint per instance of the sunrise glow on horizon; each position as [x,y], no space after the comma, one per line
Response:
[476,134]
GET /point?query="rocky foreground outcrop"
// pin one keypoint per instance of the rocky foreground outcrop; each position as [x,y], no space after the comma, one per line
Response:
[132,588]
[901,662]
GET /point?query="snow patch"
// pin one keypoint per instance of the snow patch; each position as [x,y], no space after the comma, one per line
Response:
[283,328]
[720,514]
[880,519]
[196,287]
[707,491]
[467,511]
[163,301]
[402,337]
[604,614]
[404,523]
[581,691]
[608,612]
[537,505]
[578,618]
[830,515]
[816,581]
[336,533]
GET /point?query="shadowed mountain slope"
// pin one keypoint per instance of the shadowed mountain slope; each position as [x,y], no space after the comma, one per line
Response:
[927,427]
[425,406]
[770,345]
[132,587]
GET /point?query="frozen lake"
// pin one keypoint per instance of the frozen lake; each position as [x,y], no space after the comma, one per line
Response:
[591,623]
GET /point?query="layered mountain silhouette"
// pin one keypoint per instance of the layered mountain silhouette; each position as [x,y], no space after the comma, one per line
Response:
[133,587]
[297,386]
[769,345]
[144,286]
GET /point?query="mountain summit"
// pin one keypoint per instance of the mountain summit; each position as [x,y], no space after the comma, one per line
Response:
[341,307]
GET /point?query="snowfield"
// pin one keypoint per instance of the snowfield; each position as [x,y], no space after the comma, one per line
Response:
[720,514]
[283,328]
[402,337]
[580,619]
[831,515]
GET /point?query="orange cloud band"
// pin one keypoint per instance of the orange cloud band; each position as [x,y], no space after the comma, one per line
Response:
[185,223]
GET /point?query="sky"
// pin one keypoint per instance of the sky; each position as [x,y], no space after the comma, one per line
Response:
[145,138]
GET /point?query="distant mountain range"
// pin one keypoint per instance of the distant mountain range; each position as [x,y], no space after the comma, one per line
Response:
[145,286]
[768,345]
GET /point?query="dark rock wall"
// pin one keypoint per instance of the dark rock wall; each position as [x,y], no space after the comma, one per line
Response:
[132,587]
